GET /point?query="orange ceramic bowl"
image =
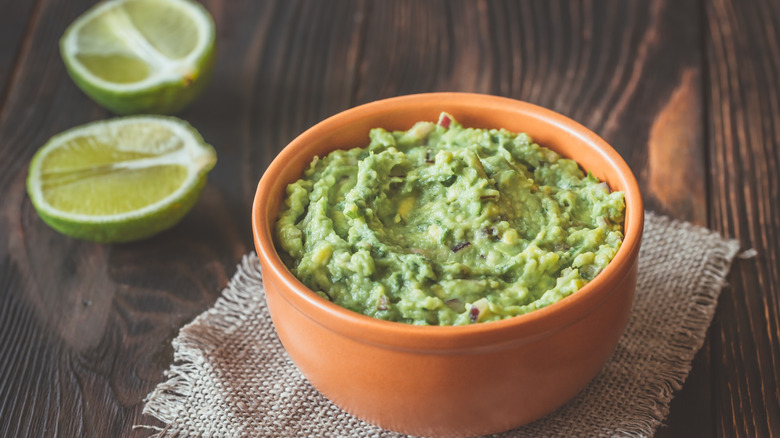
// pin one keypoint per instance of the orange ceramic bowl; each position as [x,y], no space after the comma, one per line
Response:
[450,381]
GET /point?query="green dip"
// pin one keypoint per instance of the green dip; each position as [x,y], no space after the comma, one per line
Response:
[446,225]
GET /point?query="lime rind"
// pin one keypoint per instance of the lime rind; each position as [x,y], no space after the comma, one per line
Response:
[137,224]
[172,84]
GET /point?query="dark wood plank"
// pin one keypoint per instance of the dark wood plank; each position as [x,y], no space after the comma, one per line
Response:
[16,20]
[743,53]
[86,328]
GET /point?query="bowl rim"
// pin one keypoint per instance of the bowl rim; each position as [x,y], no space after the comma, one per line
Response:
[521,328]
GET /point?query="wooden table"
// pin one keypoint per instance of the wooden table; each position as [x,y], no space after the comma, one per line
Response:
[687,91]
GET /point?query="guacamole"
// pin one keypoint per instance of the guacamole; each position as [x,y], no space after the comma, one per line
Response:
[447,225]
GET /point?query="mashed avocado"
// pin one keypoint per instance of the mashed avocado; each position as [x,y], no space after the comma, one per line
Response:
[446,225]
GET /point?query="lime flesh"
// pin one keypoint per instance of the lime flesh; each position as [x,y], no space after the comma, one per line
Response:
[119,180]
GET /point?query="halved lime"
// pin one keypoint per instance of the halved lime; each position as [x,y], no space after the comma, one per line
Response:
[141,56]
[119,180]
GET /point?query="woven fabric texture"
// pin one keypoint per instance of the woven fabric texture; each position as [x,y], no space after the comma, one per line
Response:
[232,378]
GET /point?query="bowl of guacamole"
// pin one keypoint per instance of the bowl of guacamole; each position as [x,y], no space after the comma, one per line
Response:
[448,264]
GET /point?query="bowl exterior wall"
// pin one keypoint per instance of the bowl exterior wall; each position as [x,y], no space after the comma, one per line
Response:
[453,393]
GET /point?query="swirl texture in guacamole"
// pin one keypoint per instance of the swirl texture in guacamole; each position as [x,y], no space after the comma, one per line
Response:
[446,225]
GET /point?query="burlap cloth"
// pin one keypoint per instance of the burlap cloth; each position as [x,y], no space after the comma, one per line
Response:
[231,377]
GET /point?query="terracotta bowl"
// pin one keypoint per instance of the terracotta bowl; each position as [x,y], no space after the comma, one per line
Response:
[450,381]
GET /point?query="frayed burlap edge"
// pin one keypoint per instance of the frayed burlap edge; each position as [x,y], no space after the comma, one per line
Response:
[210,330]
[207,332]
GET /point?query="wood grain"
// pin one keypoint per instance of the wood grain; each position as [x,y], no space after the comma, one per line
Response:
[86,328]
[16,21]
[687,92]
[743,55]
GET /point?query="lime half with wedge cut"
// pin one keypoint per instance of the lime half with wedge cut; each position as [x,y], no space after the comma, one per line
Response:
[141,56]
[119,180]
